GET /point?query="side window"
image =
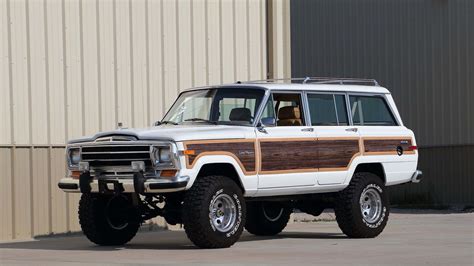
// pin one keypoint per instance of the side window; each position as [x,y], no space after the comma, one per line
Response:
[289,109]
[327,110]
[371,111]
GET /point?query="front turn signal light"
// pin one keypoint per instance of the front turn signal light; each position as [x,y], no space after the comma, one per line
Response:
[189,152]
[168,173]
[75,174]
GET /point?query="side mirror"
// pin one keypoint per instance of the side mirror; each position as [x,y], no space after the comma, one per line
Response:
[268,121]
[157,123]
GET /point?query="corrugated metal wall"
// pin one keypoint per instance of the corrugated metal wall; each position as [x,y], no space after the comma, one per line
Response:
[423,51]
[72,68]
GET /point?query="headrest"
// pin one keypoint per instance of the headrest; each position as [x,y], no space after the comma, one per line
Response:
[240,114]
[289,112]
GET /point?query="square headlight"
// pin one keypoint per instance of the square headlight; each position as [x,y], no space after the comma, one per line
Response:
[161,156]
[74,156]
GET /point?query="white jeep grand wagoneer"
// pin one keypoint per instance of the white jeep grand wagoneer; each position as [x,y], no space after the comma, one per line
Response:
[245,155]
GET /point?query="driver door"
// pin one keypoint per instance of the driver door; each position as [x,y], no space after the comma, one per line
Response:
[287,146]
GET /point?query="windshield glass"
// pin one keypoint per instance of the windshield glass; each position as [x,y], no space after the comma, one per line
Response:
[233,106]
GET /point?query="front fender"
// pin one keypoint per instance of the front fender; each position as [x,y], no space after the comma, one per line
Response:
[248,181]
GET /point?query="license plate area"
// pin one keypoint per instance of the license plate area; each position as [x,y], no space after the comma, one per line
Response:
[110,187]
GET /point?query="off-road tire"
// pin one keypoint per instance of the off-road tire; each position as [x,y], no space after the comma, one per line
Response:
[348,210]
[262,224]
[197,212]
[95,225]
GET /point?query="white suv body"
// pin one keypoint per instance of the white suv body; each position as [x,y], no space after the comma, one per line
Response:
[277,139]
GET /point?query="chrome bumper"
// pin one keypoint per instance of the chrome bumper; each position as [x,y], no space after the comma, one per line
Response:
[125,185]
[417,176]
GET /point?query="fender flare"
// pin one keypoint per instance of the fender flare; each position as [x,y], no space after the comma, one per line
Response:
[360,161]
[248,182]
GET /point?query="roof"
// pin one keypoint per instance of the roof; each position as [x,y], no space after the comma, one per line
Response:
[311,84]
[314,87]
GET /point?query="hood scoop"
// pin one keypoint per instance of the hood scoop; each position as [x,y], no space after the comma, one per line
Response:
[116,138]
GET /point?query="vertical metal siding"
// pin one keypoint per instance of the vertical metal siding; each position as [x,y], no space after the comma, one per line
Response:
[280,40]
[72,68]
[423,52]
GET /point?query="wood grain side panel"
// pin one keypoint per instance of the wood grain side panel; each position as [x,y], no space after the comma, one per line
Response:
[288,155]
[387,146]
[336,153]
[243,151]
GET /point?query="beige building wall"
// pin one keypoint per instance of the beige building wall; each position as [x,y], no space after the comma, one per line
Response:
[72,68]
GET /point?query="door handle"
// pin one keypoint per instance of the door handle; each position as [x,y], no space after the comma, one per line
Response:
[353,129]
[309,129]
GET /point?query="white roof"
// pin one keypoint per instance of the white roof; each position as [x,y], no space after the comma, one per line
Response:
[306,87]
[317,87]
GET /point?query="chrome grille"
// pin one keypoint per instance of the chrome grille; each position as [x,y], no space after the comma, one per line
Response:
[115,155]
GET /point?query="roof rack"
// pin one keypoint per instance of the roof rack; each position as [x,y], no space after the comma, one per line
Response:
[319,80]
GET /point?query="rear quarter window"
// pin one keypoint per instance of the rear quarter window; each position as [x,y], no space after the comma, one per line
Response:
[371,111]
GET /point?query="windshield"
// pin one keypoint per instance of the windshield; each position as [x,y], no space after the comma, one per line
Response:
[232,106]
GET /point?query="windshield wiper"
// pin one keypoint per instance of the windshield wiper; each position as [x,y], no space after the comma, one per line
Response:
[165,122]
[201,120]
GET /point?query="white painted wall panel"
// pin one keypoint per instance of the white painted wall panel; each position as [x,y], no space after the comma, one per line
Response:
[123,54]
[255,38]
[6,195]
[56,71]
[59,199]
[41,191]
[74,89]
[228,44]
[19,68]
[263,39]
[241,41]
[170,46]
[106,64]
[140,68]
[185,46]
[155,58]
[5,105]
[90,66]
[281,39]
[22,193]
[199,43]
[213,43]
[39,90]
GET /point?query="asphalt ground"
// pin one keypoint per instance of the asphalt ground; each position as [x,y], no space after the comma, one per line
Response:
[410,238]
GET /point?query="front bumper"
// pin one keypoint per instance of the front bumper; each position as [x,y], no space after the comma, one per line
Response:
[125,185]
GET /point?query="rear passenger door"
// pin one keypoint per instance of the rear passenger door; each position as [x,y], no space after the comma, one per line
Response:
[337,141]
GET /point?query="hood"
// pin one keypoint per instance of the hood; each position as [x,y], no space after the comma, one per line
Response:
[177,133]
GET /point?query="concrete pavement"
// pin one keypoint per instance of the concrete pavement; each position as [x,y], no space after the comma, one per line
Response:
[411,237]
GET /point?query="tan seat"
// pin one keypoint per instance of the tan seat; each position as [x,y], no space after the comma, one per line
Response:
[289,116]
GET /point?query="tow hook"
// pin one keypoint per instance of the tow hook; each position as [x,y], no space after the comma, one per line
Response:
[85,182]
[138,179]
[139,183]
